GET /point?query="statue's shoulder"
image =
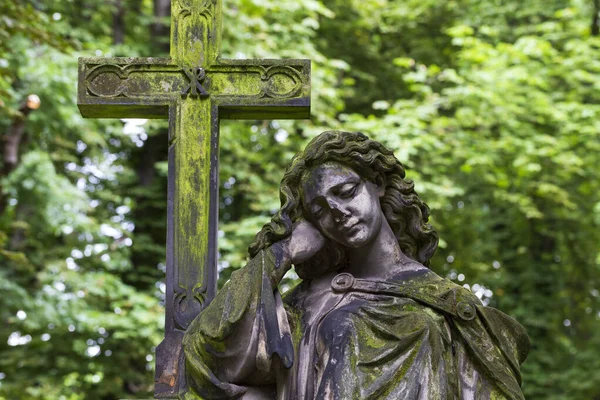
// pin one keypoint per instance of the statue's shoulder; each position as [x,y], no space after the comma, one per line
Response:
[430,284]
[465,307]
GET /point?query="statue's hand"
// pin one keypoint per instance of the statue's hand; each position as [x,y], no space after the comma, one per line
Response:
[305,242]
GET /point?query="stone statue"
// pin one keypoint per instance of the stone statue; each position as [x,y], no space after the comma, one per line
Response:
[369,319]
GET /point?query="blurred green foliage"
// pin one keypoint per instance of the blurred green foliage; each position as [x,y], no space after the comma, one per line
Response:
[494,107]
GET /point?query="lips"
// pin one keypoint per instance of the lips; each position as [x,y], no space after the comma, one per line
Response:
[347,227]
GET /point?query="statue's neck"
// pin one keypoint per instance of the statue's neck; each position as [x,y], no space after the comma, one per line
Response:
[381,258]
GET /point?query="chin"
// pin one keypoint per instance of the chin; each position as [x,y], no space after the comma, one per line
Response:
[358,241]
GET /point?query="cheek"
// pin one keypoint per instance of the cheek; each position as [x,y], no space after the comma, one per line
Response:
[364,206]
[368,210]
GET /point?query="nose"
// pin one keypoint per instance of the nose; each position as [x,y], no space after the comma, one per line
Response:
[337,211]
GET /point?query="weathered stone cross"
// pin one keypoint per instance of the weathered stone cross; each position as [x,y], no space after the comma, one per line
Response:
[194,89]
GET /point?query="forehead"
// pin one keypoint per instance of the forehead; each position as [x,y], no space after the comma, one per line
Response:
[321,179]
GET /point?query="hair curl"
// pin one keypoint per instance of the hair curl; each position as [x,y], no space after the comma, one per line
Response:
[402,207]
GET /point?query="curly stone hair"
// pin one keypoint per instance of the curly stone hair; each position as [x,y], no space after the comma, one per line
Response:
[402,207]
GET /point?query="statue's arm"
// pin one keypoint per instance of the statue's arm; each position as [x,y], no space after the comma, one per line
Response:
[231,345]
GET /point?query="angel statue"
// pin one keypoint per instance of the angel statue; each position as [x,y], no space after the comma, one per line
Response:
[369,319]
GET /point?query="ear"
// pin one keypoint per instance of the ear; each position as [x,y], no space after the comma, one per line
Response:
[380,184]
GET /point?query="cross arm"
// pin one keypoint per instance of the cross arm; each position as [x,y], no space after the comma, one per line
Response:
[260,89]
[146,87]
[124,87]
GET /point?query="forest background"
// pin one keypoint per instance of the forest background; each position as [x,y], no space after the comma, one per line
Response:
[493,106]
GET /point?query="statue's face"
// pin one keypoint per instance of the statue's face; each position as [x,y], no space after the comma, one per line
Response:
[343,206]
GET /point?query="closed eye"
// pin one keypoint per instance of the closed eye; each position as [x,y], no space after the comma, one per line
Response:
[348,190]
[317,212]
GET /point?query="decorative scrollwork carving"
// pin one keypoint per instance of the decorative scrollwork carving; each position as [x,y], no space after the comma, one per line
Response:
[190,4]
[206,8]
[281,82]
[187,304]
[143,81]
[107,80]
[184,6]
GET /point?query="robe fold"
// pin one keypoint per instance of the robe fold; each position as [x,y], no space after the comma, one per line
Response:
[414,336]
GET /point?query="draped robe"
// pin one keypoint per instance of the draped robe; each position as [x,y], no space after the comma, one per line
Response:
[413,336]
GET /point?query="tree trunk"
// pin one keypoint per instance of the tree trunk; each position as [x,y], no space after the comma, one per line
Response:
[154,150]
[11,145]
[595,30]
[10,148]
[119,23]
[136,6]
[160,28]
